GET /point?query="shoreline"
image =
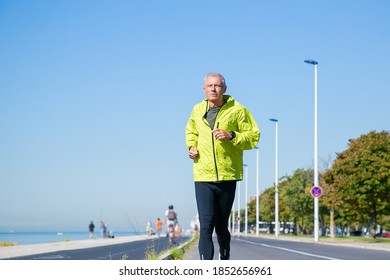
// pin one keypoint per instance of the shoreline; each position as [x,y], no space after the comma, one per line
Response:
[33,249]
[40,237]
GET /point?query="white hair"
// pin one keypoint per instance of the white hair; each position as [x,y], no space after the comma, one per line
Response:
[215,74]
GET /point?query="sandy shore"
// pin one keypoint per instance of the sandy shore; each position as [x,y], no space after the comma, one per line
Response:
[32,249]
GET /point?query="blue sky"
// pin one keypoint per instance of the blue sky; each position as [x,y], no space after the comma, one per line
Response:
[95,96]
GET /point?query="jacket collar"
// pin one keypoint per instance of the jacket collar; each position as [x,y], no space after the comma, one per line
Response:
[226,98]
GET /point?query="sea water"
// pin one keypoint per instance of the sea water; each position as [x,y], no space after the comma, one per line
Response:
[24,238]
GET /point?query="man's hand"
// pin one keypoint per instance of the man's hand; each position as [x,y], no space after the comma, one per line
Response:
[220,134]
[193,153]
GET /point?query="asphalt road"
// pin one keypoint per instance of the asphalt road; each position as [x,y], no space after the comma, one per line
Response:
[252,248]
[136,250]
[242,248]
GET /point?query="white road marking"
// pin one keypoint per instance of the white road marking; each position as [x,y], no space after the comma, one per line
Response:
[288,250]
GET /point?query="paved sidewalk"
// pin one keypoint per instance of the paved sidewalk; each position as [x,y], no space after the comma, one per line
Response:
[193,253]
[32,249]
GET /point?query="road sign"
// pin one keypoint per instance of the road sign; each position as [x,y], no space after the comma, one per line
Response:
[316,191]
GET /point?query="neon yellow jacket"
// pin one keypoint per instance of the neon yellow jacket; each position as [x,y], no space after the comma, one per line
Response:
[221,160]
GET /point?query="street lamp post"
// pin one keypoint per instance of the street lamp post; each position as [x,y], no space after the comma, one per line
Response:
[238,207]
[316,227]
[233,219]
[276,179]
[257,191]
[246,197]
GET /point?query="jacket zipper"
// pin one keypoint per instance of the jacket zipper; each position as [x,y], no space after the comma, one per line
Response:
[213,144]
[214,155]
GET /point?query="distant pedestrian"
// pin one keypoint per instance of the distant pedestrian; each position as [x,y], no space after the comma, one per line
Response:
[149,228]
[159,225]
[217,133]
[103,230]
[91,229]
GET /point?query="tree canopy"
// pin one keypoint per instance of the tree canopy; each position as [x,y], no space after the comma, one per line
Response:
[356,189]
[359,180]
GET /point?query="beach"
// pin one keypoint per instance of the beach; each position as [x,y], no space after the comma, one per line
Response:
[32,249]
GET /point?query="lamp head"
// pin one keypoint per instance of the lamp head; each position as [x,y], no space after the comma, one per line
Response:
[273,120]
[311,62]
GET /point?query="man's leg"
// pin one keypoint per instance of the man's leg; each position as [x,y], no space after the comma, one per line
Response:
[205,202]
[225,199]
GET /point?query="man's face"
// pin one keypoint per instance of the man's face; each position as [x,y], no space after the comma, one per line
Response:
[214,90]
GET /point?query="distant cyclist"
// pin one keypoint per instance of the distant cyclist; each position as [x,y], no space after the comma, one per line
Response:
[171,221]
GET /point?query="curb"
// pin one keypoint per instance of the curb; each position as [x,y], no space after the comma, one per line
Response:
[168,255]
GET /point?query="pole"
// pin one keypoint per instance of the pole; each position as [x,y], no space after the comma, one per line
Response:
[316,183]
[277,226]
[233,224]
[246,198]
[276,183]
[257,192]
[316,227]
[238,208]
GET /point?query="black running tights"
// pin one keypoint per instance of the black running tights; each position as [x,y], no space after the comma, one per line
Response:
[214,201]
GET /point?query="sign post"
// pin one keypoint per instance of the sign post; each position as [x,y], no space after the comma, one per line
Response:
[316,192]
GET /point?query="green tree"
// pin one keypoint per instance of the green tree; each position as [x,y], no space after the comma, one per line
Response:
[331,199]
[359,180]
[252,212]
[295,195]
[267,206]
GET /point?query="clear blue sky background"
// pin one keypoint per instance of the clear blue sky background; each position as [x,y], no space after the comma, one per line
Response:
[95,96]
